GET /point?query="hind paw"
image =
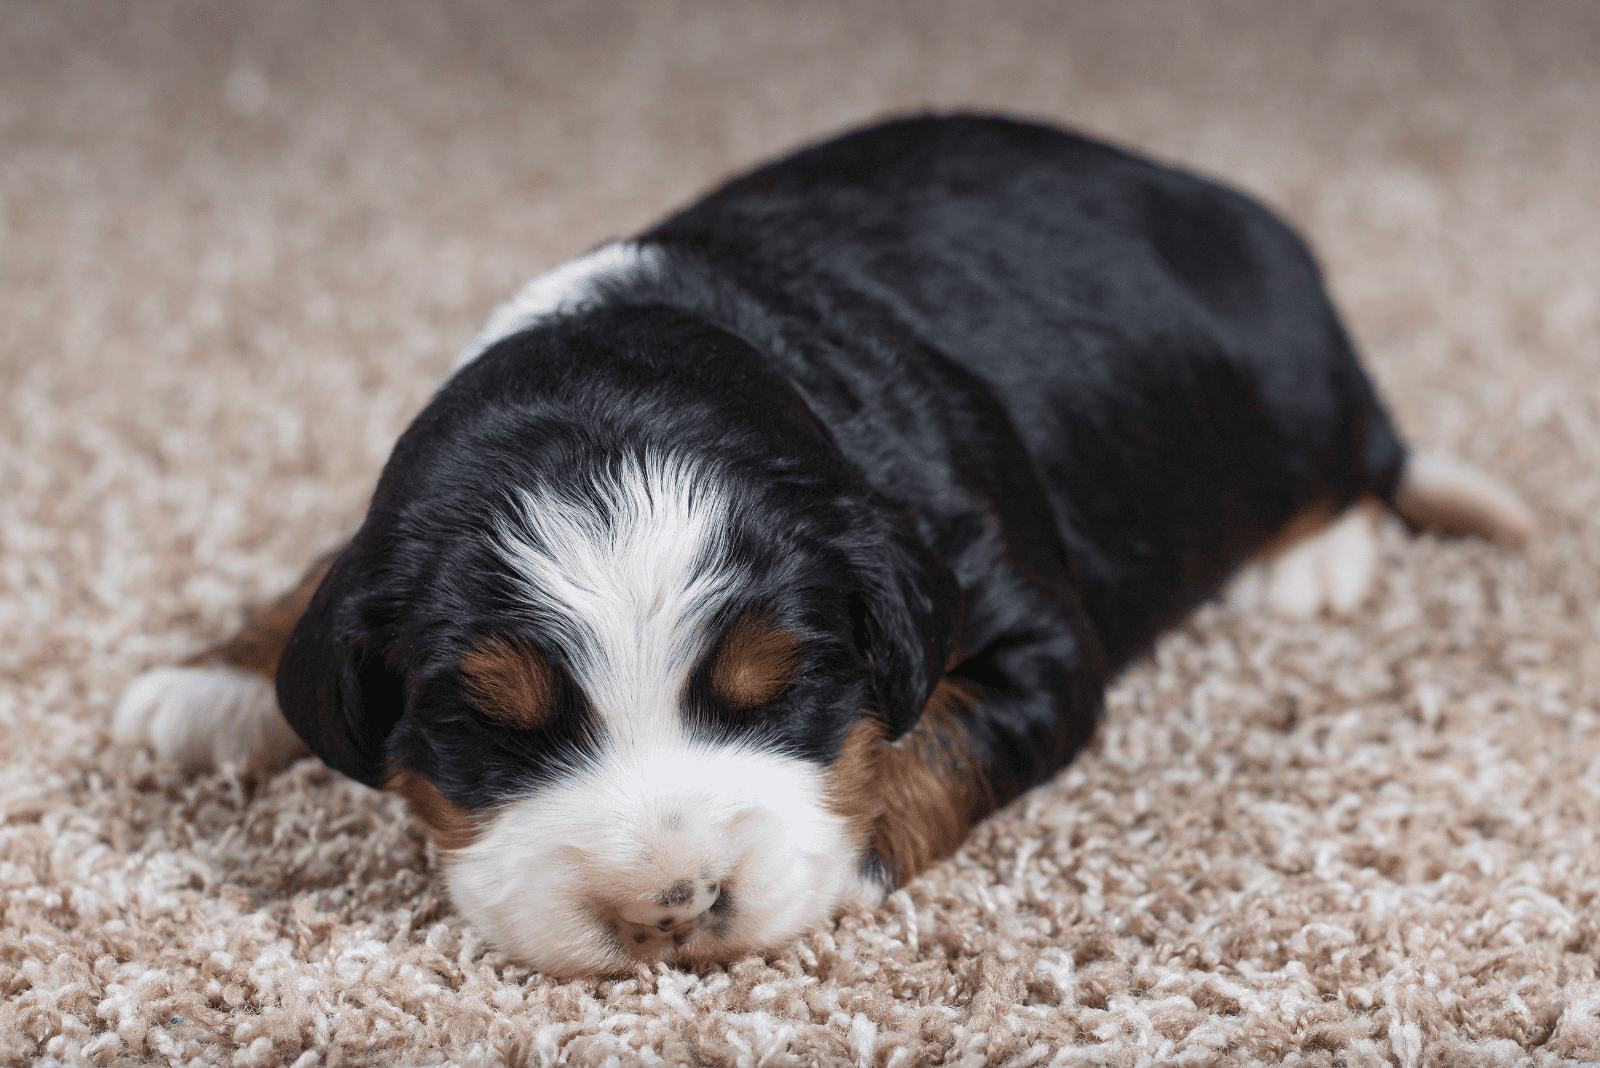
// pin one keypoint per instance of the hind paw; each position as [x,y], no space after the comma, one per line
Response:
[1330,572]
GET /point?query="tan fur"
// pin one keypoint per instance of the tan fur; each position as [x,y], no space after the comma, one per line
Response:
[259,643]
[1306,523]
[510,682]
[914,799]
[756,663]
[449,825]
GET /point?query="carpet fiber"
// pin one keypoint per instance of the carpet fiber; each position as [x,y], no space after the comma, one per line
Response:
[239,244]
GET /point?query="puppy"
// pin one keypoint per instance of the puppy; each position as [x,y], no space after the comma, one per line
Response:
[738,568]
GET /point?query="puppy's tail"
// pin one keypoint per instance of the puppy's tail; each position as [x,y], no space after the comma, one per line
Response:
[1439,493]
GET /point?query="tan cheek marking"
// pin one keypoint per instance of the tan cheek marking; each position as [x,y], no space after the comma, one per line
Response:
[260,642]
[449,825]
[915,799]
[756,663]
[512,683]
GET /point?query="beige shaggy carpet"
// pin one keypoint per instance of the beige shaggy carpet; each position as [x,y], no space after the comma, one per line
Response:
[239,243]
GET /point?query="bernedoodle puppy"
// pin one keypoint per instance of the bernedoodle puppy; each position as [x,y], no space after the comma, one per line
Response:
[738,568]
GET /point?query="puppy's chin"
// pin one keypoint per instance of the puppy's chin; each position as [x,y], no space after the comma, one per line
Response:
[695,854]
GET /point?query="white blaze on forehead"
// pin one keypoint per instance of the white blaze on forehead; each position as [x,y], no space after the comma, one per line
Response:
[571,287]
[628,575]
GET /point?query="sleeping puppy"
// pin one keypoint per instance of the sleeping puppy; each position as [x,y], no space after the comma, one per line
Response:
[737,569]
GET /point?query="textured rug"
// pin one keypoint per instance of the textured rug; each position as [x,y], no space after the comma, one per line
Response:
[239,244]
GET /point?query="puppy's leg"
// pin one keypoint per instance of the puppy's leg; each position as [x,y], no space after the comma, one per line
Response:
[1443,494]
[1319,563]
[222,704]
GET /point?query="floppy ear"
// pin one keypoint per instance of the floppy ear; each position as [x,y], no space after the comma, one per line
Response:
[334,686]
[907,607]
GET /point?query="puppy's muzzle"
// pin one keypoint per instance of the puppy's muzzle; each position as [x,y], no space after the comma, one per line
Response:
[678,913]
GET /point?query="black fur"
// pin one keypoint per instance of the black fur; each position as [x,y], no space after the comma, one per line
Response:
[987,394]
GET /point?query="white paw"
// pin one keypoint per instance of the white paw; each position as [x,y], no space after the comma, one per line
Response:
[203,717]
[1331,572]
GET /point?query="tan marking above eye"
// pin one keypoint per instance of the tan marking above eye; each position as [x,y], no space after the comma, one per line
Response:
[756,661]
[509,681]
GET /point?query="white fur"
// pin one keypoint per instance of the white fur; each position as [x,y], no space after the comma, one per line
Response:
[202,717]
[1331,571]
[561,873]
[568,288]
[564,876]
[631,588]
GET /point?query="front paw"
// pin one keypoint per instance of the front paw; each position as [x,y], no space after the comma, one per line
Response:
[202,717]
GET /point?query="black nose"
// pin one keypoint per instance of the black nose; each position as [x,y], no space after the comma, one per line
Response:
[678,913]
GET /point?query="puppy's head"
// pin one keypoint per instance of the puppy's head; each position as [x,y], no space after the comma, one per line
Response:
[641,702]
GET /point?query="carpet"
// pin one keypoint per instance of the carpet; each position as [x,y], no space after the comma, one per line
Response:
[239,245]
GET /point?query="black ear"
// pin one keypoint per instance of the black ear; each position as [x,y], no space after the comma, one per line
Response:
[907,607]
[334,685]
